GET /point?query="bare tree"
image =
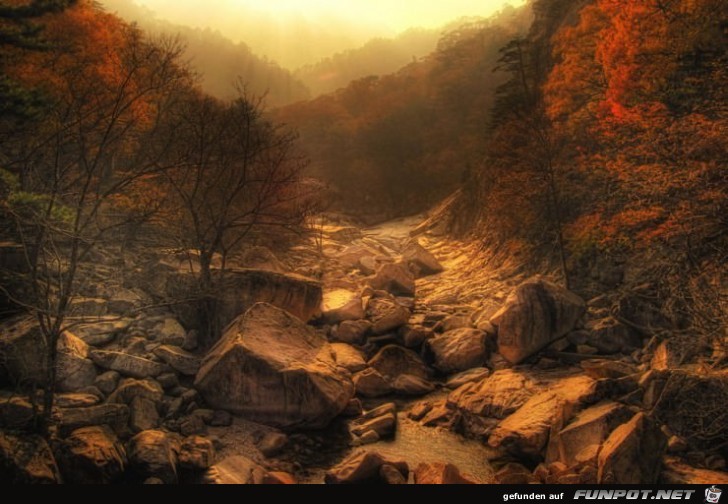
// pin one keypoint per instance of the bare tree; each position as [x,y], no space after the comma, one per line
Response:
[235,172]
[82,154]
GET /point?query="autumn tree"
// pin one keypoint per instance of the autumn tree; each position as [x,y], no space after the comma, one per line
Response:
[520,177]
[20,28]
[234,173]
[108,88]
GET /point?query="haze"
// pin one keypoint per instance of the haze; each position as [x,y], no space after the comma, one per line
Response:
[281,29]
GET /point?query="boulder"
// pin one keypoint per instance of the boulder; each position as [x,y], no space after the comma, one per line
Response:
[526,432]
[668,355]
[242,288]
[413,336]
[261,258]
[236,470]
[392,361]
[610,336]
[20,360]
[535,314]
[458,350]
[126,364]
[101,333]
[352,331]
[169,332]
[439,473]
[675,472]
[513,474]
[420,260]
[589,428]
[496,396]
[73,368]
[272,443]
[143,414]
[26,460]
[272,368]
[92,455]
[471,375]
[384,425]
[606,368]
[371,383]
[196,453]
[390,475]
[183,362]
[16,412]
[394,278]
[154,453]
[340,305]
[386,315]
[457,321]
[409,385]
[348,357]
[76,400]
[362,467]
[130,388]
[632,454]
[107,382]
[115,416]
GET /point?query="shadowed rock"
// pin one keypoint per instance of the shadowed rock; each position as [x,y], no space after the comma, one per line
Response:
[272,368]
[535,314]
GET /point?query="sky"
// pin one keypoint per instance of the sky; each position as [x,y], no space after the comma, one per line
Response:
[298,32]
[394,15]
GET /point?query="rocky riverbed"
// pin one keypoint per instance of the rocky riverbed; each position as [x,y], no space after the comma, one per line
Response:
[391,354]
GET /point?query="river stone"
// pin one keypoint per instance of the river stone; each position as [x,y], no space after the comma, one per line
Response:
[633,453]
[393,360]
[361,467]
[386,315]
[421,260]
[340,305]
[439,473]
[73,368]
[235,470]
[396,279]
[352,331]
[526,432]
[348,357]
[126,364]
[535,314]
[274,369]
[154,453]
[183,362]
[92,455]
[458,350]
[26,460]
[589,428]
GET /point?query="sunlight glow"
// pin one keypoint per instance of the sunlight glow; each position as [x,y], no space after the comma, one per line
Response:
[394,15]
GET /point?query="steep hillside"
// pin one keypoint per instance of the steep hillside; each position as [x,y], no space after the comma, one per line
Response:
[407,139]
[219,61]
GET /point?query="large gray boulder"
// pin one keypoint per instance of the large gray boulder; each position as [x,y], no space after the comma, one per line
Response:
[272,368]
[535,314]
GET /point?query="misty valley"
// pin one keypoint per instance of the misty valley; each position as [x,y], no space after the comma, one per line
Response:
[303,243]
